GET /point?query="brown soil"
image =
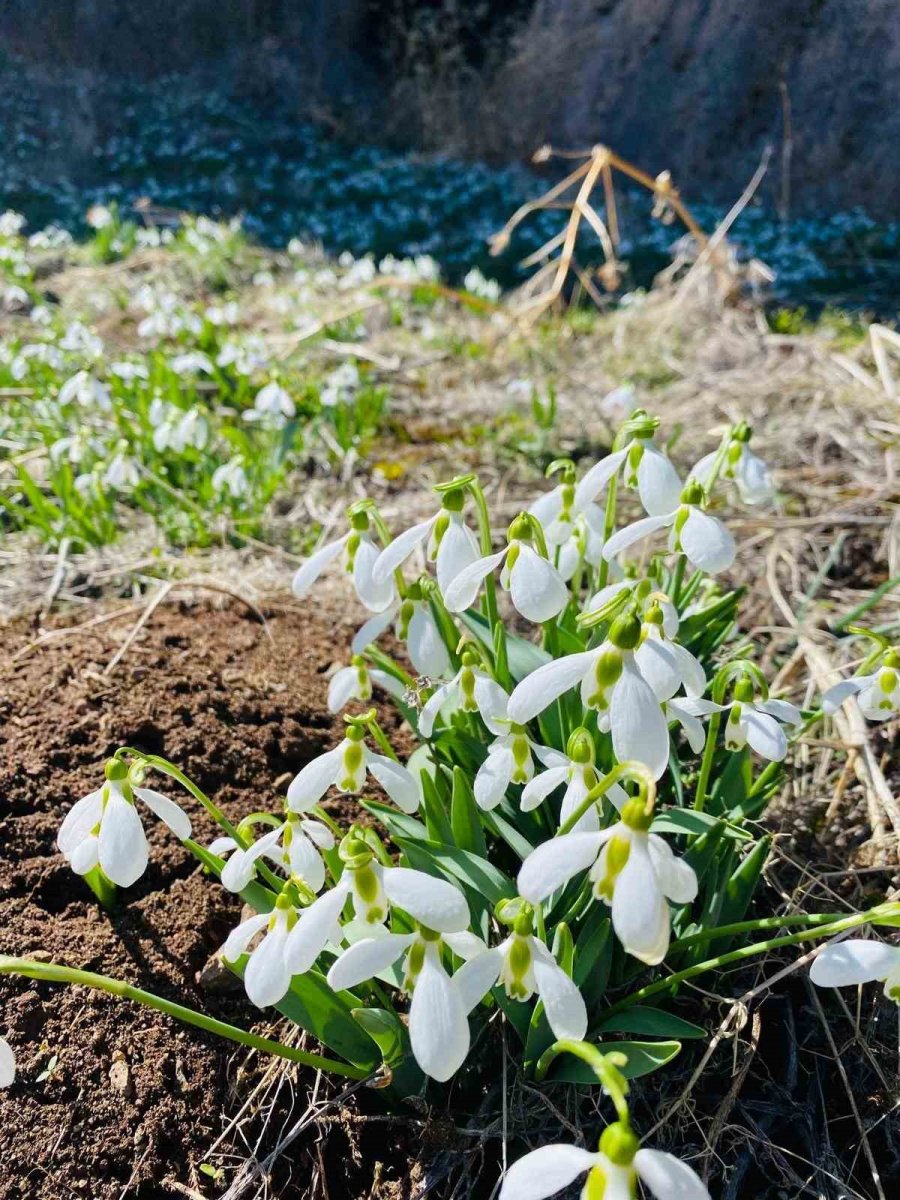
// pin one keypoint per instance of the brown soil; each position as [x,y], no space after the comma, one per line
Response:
[130,1102]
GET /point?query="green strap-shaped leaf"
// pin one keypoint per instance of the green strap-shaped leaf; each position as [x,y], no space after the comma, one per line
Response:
[650,1022]
[643,1059]
[465,819]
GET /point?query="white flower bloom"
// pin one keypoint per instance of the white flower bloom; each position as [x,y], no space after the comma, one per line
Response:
[451,545]
[878,693]
[231,477]
[294,846]
[345,767]
[536,588]
[122,473]
[268,973]
[11,223]
[272,404]
[340,385]
[359,554]
[757,723]
[749,473]
[703,539]
[99,216]
[192,363]
[103,828]
[510,760]
[579,776]
[855,961]
[7,1064]
[646,469]
[128,372]
[177,429]
[546,1171]
[524,965]
[355,683]
[470,690]
[633,871]
[84,389]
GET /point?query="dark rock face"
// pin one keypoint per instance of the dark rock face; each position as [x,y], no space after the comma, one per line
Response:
[698,86]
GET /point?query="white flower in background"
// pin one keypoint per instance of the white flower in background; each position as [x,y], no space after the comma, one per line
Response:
[81,340]
[128,372]
[754,722]
[633,871]
[524,965]
[451,544]
[573,530]
[878,693]
[230,478]
[41,315]
[470,690]
[51,238]
[104,828]
[748,472]
[273,405]
[247,357]
[71,449]
[98,216]
[613,1171]
[438,1018]
[224,314]
[703,539]
[340,386]
[294,845]
[476,283]
[174,429]
[345,767]
[11,223]
[536,588]
[842,964]
[82,388]
[192,363]
[122,473]
[359,554]
[577,772]
[267,974]
[359,271]
[617,404]
[355,682]
[510,760]
[7,1064]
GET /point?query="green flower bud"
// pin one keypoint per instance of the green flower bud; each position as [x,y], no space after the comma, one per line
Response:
[619,1143]
[453,501]
[580,746]
[520,529]
[634,814]
[115,770]
[743,691]
[692,493]
[625,631]
[359,521]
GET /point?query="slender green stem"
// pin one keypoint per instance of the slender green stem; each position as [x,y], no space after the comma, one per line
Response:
[881,591]
[491,612]
[763,923]
[625,770]
[55,973]
[609,524]
[386,663]
[706,765]
[745,952]
[609,1076]
[382,739]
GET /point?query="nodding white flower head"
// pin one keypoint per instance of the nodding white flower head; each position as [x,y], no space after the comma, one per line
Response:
[82,388]
[646,468]
[631,869]
[758,723]
[122,473]
[294,846]
[612,1172]
[878,693]
[192,363]
[523,965]
[536,588]
[7,1064]
[575,770]
[703,539]
[573,529]
[510,760]
[104,829]
[175,429]
[438,1017]
[345,767]
[451,544]
[273,404]
[231,478]
[356,682]
[415,625]
[627,679]
[749,473]
[359,554]
[470,690]
[856,961]
[268,972]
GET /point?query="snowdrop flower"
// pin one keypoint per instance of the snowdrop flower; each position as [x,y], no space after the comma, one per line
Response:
[293,845]
[7,1064]
[415,625]
[355,683]
[268,973]
[438,1017]
[103,828]
[613,1171]
[98,216]
[510,760]
[11,223]
[273,404]
[451,545]
[632,870]
[345,767]
[128,372]
[749,473]
[359,554]
[470,690]
[84,389]
[81,340]
[646,468]
[191,363]
[878,693]
[856,961]
[754,722]
[479,285]
[175,429]
[340,385]
[231,478]
[575,770]
[122,473]
[536,588]
[573,531]
[523,965]
[703,539]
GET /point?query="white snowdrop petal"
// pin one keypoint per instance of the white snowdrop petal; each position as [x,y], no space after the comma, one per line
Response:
[240,938]
[78,822]
[222,845]
[555,862]
[85,856]
[372,629]
[659,667]
[753,478]
[492,779]
[547,507]
[764,734]
[457,551]
[314,929]
[537,589]
[475,978]
[701,470]
[310,785]
[782,710]
[564,1006]
[367,958]
[438,1026]
[427,651]
[167,810]
[693,677]
[658,484]
[375,596]
[539,689]
[266,976]
[692,725]
[461,593]
[465,944]
[394,555]
[707,542]
[540,787]
[640,914]
[306,861]
[596,479]
[320,835]
[634,533]
[639,729]
[492,703]
[123,845]
[437,903]
[342,688]
[835,696]
[606,594]
[546,1171]
[853,961]
[668,1178]
[7,1064]
[677,878]
[399,784]
[441,696]
[307,574]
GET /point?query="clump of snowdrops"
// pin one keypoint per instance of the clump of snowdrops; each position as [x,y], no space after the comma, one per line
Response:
[595,747]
